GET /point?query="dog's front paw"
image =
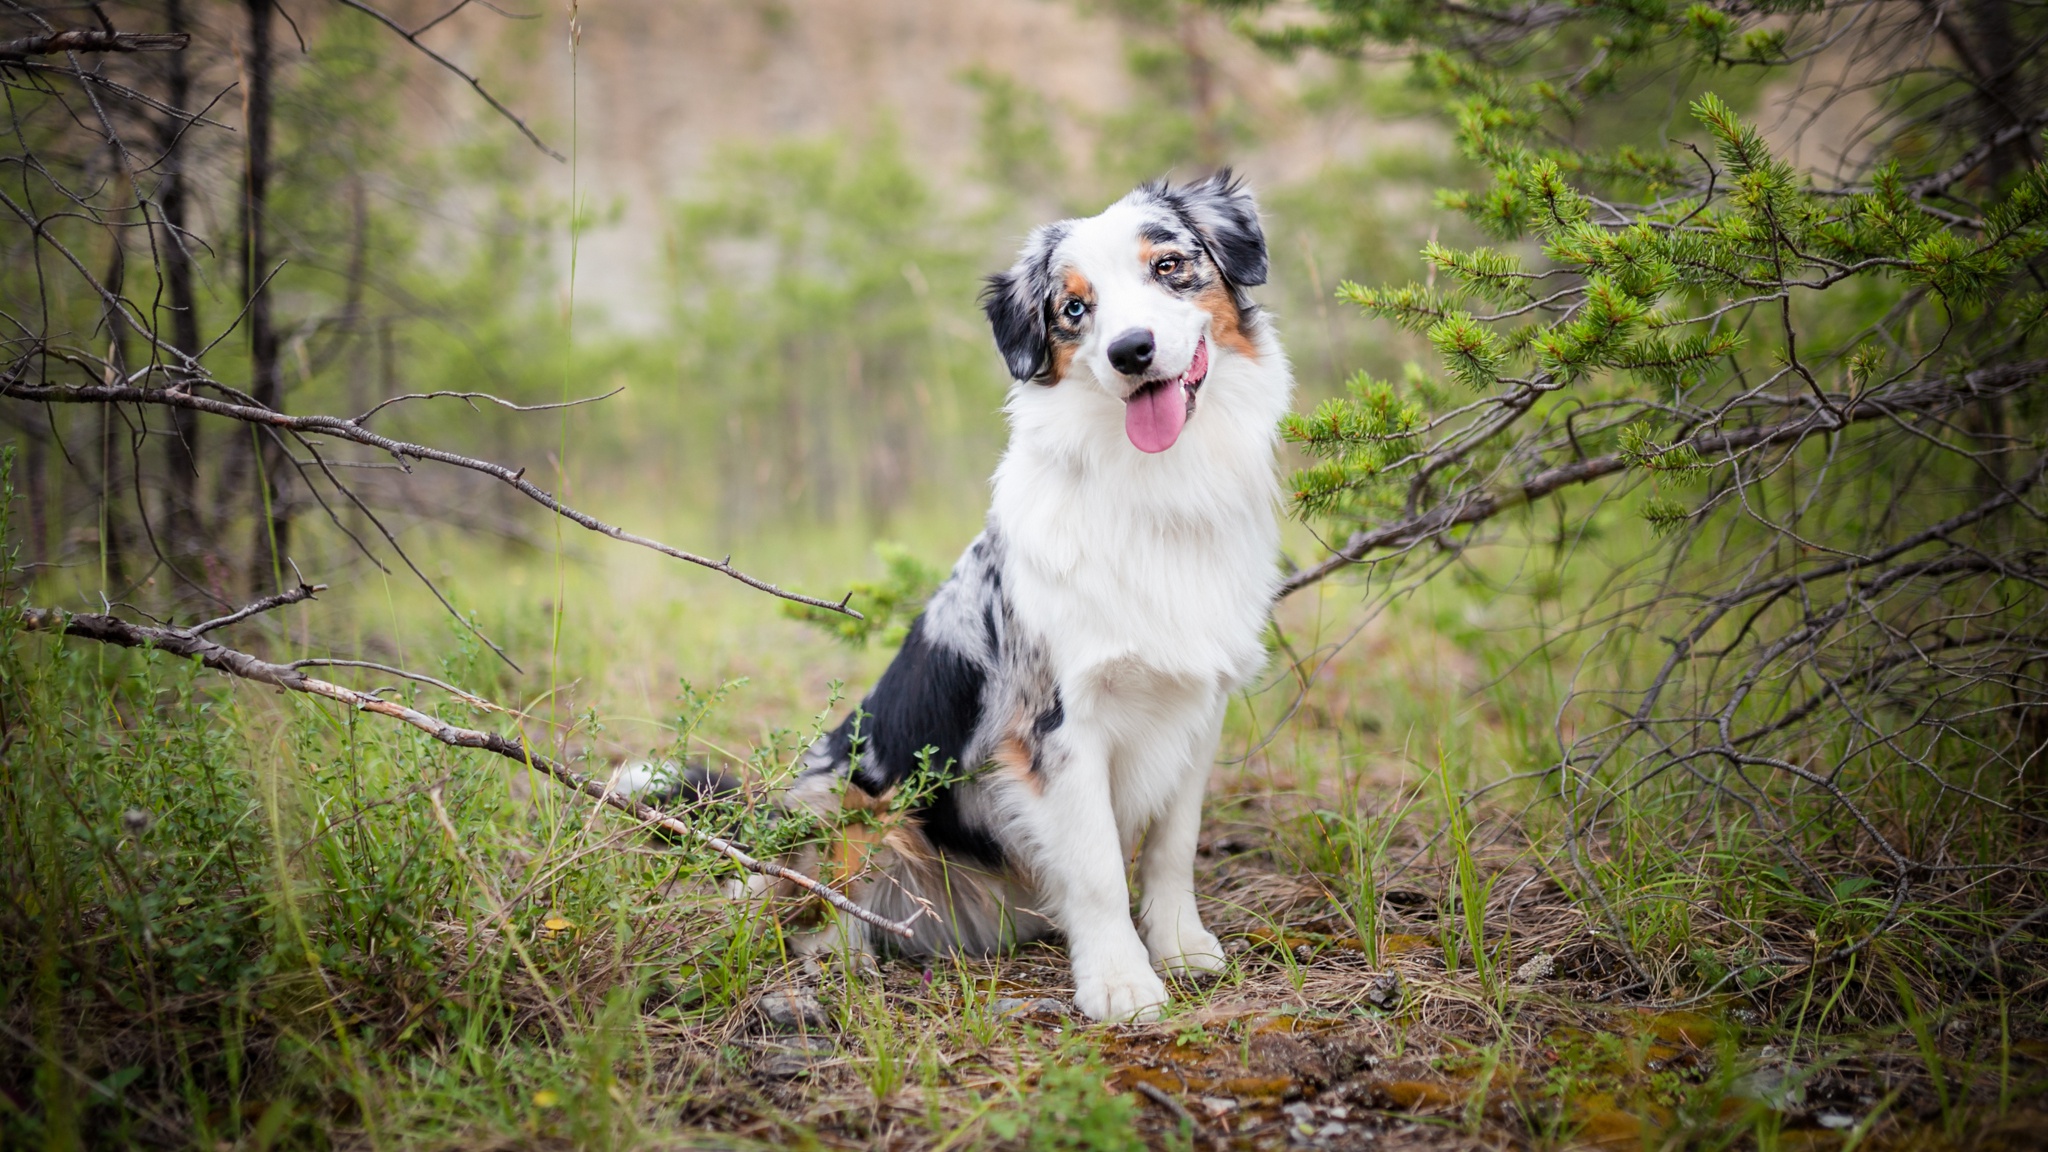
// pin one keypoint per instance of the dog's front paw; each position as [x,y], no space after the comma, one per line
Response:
[1195,953]
[1117,995]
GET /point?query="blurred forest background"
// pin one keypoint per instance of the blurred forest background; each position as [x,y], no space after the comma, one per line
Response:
[780,218]
[1653,812]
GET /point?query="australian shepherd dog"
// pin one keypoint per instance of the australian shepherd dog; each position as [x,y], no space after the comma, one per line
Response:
[1074,667]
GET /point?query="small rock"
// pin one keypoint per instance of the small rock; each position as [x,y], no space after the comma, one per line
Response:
[786,1065]
[1541,966]
[794,1010]
[1333,1128]
[1773,1087]
[1383,991]
[794,1057]
[1835,1120]
[1216,1106]
[1299,1113]
[1014,1008]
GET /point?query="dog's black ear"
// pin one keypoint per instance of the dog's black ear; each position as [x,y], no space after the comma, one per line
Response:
[1017,315]
[1221,210]
[1016,303]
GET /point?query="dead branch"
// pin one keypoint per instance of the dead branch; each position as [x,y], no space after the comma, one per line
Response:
[109,629]
[335,426]
[83,40]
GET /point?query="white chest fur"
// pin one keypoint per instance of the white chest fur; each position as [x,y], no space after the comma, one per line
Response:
[1123,563]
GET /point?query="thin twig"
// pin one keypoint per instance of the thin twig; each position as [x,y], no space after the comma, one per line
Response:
[291,596]
[502,403]
[414,40]
[1484,504]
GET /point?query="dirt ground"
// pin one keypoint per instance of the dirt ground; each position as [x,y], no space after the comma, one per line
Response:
[1306,1043]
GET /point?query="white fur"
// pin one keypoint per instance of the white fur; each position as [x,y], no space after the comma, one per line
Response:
[1148,578]
[1099,624]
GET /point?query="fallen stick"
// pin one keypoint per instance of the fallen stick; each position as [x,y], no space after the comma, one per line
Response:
[189,643]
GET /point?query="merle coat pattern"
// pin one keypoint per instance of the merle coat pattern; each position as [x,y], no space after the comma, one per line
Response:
[1075,665]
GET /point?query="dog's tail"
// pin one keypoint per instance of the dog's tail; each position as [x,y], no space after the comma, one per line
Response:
[667,784]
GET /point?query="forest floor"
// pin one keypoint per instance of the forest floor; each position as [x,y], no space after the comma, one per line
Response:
[1307,1042]
[238,920]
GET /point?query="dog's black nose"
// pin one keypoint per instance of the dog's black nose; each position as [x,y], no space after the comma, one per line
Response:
[1131,353]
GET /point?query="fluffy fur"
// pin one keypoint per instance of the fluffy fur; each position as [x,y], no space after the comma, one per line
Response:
[1077,661]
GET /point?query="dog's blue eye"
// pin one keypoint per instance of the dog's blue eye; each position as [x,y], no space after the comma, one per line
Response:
[1075,309]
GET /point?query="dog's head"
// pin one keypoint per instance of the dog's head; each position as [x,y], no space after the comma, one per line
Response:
[1140,301]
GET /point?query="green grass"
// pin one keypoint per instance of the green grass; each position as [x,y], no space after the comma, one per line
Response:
[239,916]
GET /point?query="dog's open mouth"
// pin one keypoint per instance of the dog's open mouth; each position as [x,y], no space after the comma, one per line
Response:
[1155,413]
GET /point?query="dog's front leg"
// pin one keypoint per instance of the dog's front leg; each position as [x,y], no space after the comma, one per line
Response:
[1080,874]
[1174,934]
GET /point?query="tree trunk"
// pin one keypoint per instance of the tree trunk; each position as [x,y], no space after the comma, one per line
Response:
[187,535]
[1209,141]
[2000,91]
[273,518]
[2004,102]
[109,446]
[36,483]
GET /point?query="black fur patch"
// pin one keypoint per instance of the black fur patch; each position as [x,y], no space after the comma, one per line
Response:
[1051,719]
[1223,214]
[930,696]
[948,831]
[1017,303]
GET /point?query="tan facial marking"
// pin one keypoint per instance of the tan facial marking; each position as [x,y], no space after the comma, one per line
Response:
[1226,322]
[1062,358]
[1063,340]
[1078,285]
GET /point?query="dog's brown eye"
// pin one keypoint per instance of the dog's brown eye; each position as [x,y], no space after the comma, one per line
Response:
[1166,265]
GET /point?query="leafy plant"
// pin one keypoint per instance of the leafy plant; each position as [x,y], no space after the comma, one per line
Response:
[886,606]
[1071,1110]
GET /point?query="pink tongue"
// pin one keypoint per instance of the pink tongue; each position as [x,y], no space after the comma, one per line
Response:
[1153,418]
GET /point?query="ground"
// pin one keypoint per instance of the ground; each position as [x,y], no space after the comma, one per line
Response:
[1307,1043]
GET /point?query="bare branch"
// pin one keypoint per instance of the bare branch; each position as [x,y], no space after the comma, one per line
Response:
[413,39]
[109,629]
[82,40]
[292,596]
[349,430]
[500,402]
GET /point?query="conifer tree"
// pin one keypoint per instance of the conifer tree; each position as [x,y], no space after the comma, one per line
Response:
[1782,419]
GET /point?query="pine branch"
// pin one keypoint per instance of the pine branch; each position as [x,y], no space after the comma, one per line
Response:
[1484,504]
